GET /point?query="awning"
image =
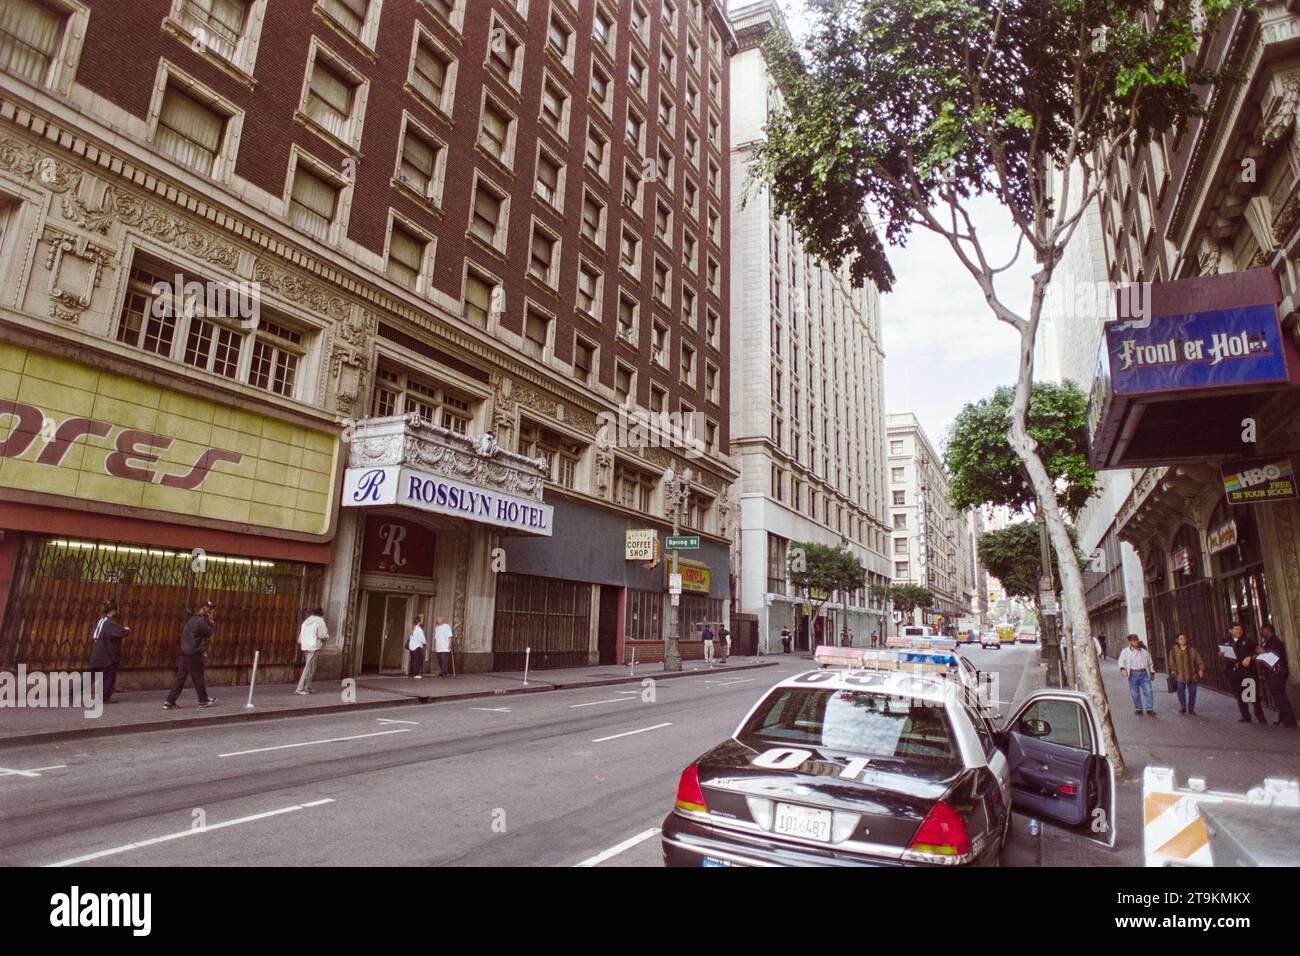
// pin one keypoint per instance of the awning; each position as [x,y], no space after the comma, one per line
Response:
[1175,380]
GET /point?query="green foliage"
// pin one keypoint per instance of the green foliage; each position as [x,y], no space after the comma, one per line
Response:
[907,597]
[892,104]
[820,567]
[985,470]
[1013,556]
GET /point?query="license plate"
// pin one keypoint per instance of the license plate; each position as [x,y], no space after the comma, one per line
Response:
[712,861]
[803,822]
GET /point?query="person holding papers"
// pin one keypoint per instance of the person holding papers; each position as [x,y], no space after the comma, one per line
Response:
[1272,662]
[1240,653]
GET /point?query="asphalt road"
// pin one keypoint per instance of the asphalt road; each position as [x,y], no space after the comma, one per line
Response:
[556,779]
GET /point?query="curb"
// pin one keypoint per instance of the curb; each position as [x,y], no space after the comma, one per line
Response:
[139,727]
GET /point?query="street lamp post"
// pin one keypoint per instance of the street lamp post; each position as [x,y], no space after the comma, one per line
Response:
[677,489]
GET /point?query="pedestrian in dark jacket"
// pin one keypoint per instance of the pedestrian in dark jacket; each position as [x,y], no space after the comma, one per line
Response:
[106,650]
[194,647]
[1188,670]
[1243,674]
[1275,675]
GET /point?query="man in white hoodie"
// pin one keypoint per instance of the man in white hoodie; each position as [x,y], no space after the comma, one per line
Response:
[313,636]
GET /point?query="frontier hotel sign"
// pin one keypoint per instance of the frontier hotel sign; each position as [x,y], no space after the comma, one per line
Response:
[394,485]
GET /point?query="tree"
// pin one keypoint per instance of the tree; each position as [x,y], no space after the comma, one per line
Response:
[984,469]
[914,107]
[904,597]
[1011,555]
[822,569]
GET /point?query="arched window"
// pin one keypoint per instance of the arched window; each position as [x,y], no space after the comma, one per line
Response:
[1186,556]
[1233,539]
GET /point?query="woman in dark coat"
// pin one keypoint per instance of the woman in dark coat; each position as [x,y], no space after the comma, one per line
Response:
[106,652]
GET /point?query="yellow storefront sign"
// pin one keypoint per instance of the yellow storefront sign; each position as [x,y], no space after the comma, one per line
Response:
[83,433]
[696,577]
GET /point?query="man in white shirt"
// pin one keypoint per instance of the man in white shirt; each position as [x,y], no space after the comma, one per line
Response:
[1136,664]
[312,638]
[442,645]
[417,643]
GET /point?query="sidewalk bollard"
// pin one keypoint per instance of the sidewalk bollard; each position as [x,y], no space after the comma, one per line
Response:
[527,654]
[253,682]
[632,664]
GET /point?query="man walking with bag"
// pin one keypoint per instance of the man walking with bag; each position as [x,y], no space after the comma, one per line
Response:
[195,635]
[106,650]
[1136,664]
[313,636]
[1186,670]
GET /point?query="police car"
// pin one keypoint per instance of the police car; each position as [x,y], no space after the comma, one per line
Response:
[888,768]
[914,657]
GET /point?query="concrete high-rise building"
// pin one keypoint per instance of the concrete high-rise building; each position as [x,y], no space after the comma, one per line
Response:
[925,528]
[346,302]
[807,401]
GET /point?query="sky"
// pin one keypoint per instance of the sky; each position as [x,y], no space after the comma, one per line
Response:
[943,347]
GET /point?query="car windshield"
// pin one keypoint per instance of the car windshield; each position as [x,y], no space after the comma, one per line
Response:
[860,722]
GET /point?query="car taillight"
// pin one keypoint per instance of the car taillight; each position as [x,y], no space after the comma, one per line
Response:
[1069,789]
[942,832]
[689,795]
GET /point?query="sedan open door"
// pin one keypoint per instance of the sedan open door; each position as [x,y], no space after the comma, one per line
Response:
[1059,769]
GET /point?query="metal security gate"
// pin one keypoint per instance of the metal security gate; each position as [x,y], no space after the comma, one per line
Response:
[549,616]
[60,586]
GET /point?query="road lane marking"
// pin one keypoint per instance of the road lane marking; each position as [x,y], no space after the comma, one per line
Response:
[390,720]
[493,710]
[615,850]
[35,772]
[608,700]
[630,733]
[627,692]
[191,832]
[310,743]
[728,683]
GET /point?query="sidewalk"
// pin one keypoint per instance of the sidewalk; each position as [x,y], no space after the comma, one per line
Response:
[139,711]
[1212,744]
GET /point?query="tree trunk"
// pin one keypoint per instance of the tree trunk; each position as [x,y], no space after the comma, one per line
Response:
[1087,668]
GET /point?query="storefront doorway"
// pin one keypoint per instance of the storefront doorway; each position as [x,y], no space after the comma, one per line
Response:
[389,620]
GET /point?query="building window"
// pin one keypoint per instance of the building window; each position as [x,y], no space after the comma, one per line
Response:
[559,40]
[659,344]
[555,107]
[544,255]
[714,276]
[561,454]
[627,318]
[505,55]
[900,497]
[711,378]
[537,334]
[276,353]
[896,448]
[481,293]
[624,381]
[692,147]
[664,166]
[690,192]
[631,188]
[900,546]
[406,251]
[663,283]
[895,474]
[635,130]
[313,201]
[602,30]
[584,360]
[597,151]
[593,219]
[688,365]
[550,179]
[601,89]
[189,131]
[900,521]
[688,307]
[712,326]
[496,131]
[658,398]
[635,488]
[636,74]
[776,564]
[421,163]
[433,72]
[589,289]
[349,14]
[900,570]
[219,24]
[331,99]
[711,436]
[488,217]
[630,251]
[640,22]
[668,63]
[400,393]
[666,112]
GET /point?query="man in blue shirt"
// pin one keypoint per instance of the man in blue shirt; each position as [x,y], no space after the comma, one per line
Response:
[708,643]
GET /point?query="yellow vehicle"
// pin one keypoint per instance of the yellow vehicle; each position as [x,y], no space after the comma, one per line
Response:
[1006,633]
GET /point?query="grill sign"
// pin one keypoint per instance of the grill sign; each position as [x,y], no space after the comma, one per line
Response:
[1258,480]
